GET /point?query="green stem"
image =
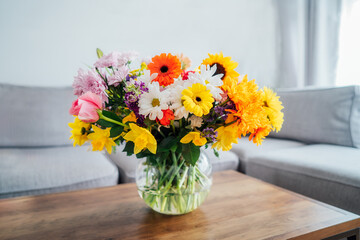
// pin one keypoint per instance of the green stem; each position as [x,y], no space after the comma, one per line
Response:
[226,101]
[101,116]
[228,124]
[160,132]
[172,125]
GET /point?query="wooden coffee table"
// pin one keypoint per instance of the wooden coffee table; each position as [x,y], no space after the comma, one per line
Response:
[238,207]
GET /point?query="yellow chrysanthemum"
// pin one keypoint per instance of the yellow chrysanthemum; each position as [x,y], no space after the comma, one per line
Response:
[195,138]
[197,99]
[79,134]
[100,139]
[129,118]
[249,105]
[142,139]
[224,65]
[273,107]
[259,134]
[226,137]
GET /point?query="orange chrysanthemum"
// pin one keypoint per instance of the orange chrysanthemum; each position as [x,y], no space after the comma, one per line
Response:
[249,114]
[259,134]
[167,67]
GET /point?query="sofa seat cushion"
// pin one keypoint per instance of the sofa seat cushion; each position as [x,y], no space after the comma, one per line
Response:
[127,164]
[33,171]
[245,148]
[327,173]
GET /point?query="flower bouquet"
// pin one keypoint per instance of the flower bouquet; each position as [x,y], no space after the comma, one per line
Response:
[164,113]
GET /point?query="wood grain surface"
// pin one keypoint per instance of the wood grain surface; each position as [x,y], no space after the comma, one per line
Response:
[238,207]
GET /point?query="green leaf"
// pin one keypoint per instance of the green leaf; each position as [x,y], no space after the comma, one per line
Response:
[191,153]
[129,148]
[179,148]
[116,131]
[167,143]
[163,156]
[144,153]
[105,123]
[111,115]
[216,152]
[99,53]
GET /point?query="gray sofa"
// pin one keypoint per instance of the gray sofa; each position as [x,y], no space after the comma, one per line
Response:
[315,154]
[36,155]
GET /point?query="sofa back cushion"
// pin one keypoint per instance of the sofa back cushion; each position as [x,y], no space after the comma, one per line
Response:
[330,115]
[34,116]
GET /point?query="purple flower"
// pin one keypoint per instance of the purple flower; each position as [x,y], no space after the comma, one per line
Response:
[219,110]
[210,133]
[89,81]
[133,91]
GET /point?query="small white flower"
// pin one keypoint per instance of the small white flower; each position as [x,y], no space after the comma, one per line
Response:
[206,77]
[153,102]
[195,121]
[176,102]
[146,77]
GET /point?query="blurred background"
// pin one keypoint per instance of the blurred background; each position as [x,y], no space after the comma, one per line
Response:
[280,43]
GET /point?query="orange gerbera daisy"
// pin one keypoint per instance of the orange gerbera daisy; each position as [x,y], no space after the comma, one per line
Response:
[167,67]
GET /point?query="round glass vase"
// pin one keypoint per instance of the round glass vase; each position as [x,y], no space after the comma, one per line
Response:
[174,187]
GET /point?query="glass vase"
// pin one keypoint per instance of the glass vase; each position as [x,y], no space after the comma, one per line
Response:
[173,186]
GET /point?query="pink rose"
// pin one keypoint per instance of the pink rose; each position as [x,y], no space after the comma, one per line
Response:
[86,106]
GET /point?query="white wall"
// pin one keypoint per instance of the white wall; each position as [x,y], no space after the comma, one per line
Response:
[44,42]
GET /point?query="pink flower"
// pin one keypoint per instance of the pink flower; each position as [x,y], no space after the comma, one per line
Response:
[119,76]
[109,60]
[86,106]
[90,81]
[115,59]
[127,57]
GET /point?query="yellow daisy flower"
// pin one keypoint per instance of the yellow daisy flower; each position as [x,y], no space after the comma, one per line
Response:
[100,139]
[224,65]
[142,139]
[273,107]
[79,134]
[226,137]
[197,99]
[195,138]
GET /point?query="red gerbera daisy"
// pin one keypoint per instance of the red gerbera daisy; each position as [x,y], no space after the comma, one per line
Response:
[168,116]
[167,67]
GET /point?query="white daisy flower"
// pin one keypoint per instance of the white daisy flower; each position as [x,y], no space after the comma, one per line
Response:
[207,78]
[146,77]
[176,102]
[195,121]
[153,102]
